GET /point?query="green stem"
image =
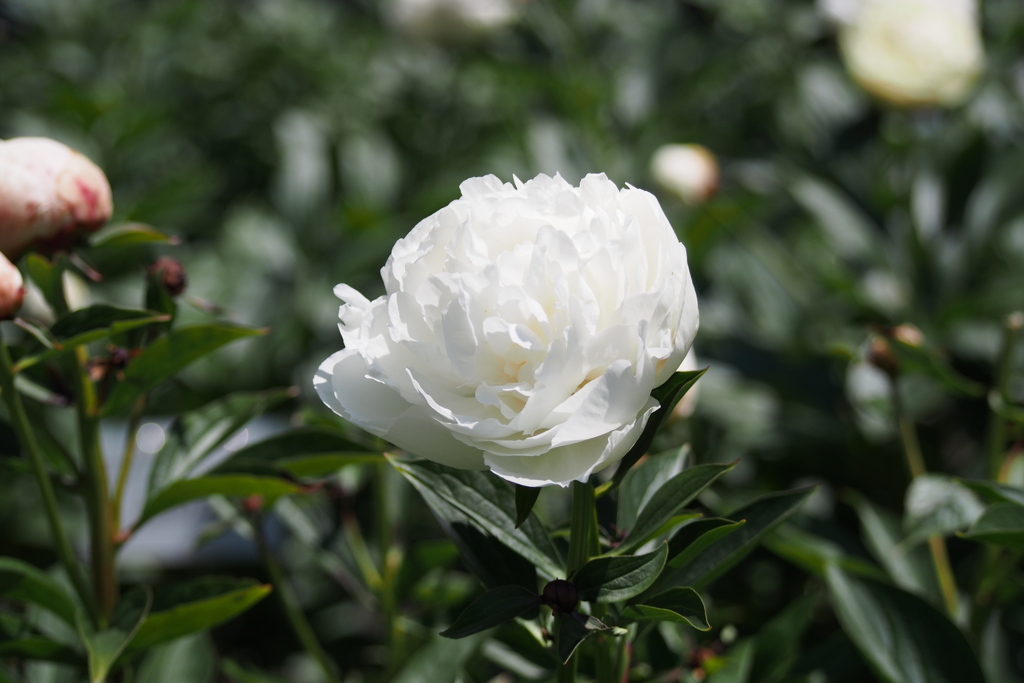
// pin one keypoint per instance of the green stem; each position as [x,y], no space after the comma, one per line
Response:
[915,463]
[567,671]
[390,562]
[996,438]
[583,539]
[126,459]
[26,437]
[300,626]
[101,518]
[584,543]
[604,658]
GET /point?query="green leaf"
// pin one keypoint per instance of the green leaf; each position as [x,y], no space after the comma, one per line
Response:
[438,661]
[40,334]
[667,501]
[1001,524]
[928,360]
[761,516]
[493,608]
[909,566]
[238,485]
[681,605]
[844,224]
[778,643]
[39,648]
[190,659]
[526,497]
[569,633]
[105,647]
[128,234]
[491,561]
[694,538]
[24,583]
[165,357]
[196,606]
[814,553]
[196,434]
[738,661]
[902,637]
[667,395]
[611,579]
[1003,409]
[97,317]
[89,325]
[47,277]
[490,503]
[238,673]
[641,482]
[993,492]
[304,452]
[936,505]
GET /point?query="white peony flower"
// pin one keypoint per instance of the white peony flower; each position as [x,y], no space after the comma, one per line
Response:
[50,195]
[523,329]
[690,171]
[912,52]
[444,20]
[12,288]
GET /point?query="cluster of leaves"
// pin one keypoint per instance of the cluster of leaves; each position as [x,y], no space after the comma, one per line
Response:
[99,363]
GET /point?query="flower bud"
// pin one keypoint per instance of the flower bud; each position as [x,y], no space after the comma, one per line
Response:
[12,288]
[689,171]
[451,20]
[561,596]
[50,196]
[881,356]
[169,274]
[908,334]
[914,52]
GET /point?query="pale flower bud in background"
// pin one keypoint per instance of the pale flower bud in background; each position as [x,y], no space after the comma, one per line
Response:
[12,288]
[452,20]
[50,196]
[912,52]
[689,171]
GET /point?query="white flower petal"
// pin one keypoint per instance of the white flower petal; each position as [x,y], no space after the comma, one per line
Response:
[577,462]
[342,383]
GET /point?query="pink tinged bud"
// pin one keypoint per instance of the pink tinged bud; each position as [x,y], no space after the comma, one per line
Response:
[12,288]
[50,196]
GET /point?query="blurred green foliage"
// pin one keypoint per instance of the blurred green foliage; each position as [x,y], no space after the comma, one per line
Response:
[290,142]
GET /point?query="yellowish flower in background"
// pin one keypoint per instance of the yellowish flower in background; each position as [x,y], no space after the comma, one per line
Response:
[452,20]
[689,171]
[911,52]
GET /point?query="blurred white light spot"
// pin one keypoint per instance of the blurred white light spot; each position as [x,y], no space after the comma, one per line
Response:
[237,441]
[150,437]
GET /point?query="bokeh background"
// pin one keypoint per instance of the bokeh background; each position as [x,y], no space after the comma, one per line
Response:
[289,143]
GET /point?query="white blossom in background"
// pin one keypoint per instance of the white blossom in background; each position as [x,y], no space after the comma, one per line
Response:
[523,329]
[446,20]
[689,171]
[911,52]
[12,288]
[50,195]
